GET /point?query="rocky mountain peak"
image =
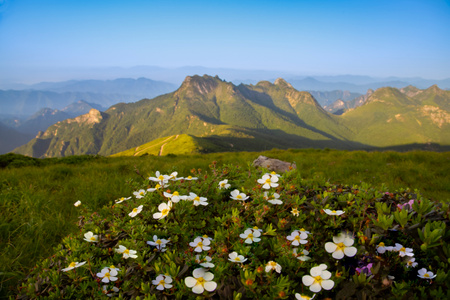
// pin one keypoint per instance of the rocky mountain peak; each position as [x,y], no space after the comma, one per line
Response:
[282,83]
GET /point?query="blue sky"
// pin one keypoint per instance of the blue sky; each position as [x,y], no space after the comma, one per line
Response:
[365,37]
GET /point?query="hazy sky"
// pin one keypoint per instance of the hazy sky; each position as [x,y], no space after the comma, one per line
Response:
[362,37]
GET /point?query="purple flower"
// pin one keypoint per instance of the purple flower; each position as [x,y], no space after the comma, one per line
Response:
[366,269]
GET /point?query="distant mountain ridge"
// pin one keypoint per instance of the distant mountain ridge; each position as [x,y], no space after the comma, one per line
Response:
[57,95]
[225,117]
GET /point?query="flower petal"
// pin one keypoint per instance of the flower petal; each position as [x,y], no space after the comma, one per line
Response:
[325,274]
[190,281]
[198,289]
[339,254]
[210,286]
[315,287]
[327,284]
[330,247]
[350,251]
[307,280]
[208,276]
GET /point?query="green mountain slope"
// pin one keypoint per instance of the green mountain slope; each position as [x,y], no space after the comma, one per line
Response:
[390,117]
[210,114]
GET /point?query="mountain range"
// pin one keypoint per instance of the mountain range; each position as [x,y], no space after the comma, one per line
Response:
[216,115]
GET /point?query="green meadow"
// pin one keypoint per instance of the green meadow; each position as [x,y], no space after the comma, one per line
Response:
[37,196]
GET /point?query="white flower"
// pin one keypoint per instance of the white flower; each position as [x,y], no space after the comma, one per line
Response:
[107,292]
[320,278]
[164,210]
[107,275]
[411,262]
[297,238]
[235,195]
[342,245]
[251,236]
[303,255]
[200,244]
[157,187]
[381,248]
[73,265]
[201,281]
[161,179]
[198,200]
[234,257]
[334,212]
[163,282]
[303,297]
[224,184]
[190,178]
[78,203]
[273,199]
[304,230]
[90,237]
[173,176]
[268,181]
[175,197]
[402,251]
[160,244]
[423,273]
[126,252]
[295,212]
[271,265]
[135,211]
[273,173]
[206,237]
[204,262]
[139,194]
[122,199]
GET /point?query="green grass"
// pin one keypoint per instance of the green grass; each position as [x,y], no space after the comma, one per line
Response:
[37,196]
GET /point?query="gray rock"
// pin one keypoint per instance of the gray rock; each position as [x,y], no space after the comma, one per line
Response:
[273,164]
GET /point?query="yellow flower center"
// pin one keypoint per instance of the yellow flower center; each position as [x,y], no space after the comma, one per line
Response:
[135,210]
[72,264]
[402,249]
[256,228]
[237,259]
[157,186]
[107,275]
[239,196]
[197,198]
[273,173]
[126,251]
[340,246]
[93,238]
[222,184]
[333,211]
[162,282]
[141,193]
[164,211]
[381,244]
[426,275]
[112,267]
[268,180]
[161,177]
[273,264]
[123,198]
[201,280]
[297,238]
[205,236]
[158,242]
[318,279]
[176,194]
[200,244]
[250,236]
[190,177]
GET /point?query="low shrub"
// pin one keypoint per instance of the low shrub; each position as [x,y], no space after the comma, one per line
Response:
[255,235]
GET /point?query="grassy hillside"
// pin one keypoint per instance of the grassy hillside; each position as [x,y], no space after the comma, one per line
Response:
[37,196]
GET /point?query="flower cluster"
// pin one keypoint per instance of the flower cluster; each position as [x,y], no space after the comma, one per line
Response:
[260,240]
